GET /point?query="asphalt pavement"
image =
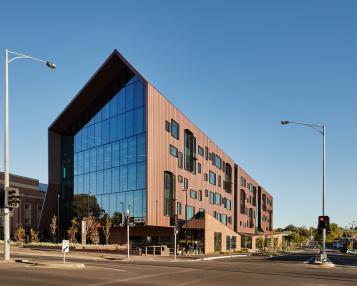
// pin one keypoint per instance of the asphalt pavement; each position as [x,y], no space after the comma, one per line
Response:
[102,270]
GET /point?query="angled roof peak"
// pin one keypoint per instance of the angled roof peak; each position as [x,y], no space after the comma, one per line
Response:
[111,76]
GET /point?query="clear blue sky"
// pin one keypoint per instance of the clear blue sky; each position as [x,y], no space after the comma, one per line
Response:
[264,60]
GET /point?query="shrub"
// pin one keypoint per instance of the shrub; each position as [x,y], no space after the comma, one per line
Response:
[19,234]
[34,235]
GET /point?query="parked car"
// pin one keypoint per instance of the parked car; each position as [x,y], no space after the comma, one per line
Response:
[351,251]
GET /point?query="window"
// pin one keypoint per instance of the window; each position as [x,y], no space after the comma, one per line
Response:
[228,204]
[185,183]
[211,198]
[179,208]
[167,126]
[206,153]
[200,195]
[206,193]
[175,129]
[193,194]
[200,151]
[190,212]
[173,151]
[212,178]
[169,193]
[39,209]
[264,201]
[215,214]
[242,201]
[190,152]
[218,199]
[206,177]
[110,153]
[218,162]
[219,181]
[243,182]
[27,213]
[224,219]
[231,242]
[180,179]
[219,217]
[199,167]
[213,158]
[217,242]
[180,160]
[227,184]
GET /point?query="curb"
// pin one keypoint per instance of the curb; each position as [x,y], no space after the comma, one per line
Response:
[51,264]
[222,257]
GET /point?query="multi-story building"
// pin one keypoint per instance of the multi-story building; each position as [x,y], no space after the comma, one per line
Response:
[120,145]
[28,213]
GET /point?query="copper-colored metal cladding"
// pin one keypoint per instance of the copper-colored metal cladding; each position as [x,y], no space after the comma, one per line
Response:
[99,90]
[251,202]
[159,160]
[266,214]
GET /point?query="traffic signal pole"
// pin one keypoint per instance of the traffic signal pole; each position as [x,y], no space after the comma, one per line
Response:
[323,191]
[175,233]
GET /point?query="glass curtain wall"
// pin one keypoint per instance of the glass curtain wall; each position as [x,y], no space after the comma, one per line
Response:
[110,154]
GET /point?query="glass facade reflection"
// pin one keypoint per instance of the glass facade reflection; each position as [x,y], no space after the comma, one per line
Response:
[110,153]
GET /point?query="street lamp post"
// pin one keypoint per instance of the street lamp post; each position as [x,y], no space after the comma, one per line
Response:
[16,56]
[322,130]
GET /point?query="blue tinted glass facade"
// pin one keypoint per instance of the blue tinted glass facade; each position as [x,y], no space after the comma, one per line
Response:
[110,153]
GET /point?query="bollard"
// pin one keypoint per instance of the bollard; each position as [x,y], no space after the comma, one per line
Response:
[154,250]
[146,251]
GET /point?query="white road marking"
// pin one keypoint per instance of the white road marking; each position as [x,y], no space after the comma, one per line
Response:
[141,277]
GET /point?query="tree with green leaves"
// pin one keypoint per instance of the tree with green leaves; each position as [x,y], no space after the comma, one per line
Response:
[333,233]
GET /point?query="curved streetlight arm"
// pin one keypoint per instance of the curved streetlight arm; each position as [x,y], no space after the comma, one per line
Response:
[318,128]
[23,56]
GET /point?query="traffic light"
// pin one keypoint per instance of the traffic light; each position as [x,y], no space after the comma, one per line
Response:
[13,197]
[2,198]
[324,222]
[174,220]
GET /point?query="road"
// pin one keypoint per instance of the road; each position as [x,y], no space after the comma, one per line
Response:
[283,270]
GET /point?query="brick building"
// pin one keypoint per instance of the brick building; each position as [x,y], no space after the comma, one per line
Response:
[31,202]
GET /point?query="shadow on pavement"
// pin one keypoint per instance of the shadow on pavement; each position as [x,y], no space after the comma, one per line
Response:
[345,260]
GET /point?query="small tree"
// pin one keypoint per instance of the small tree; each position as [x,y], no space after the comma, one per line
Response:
[34,235]
[260,244]
[53,227]
[73,230]
[106,225]
[19,234]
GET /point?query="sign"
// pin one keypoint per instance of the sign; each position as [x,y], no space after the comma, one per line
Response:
[65,246]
